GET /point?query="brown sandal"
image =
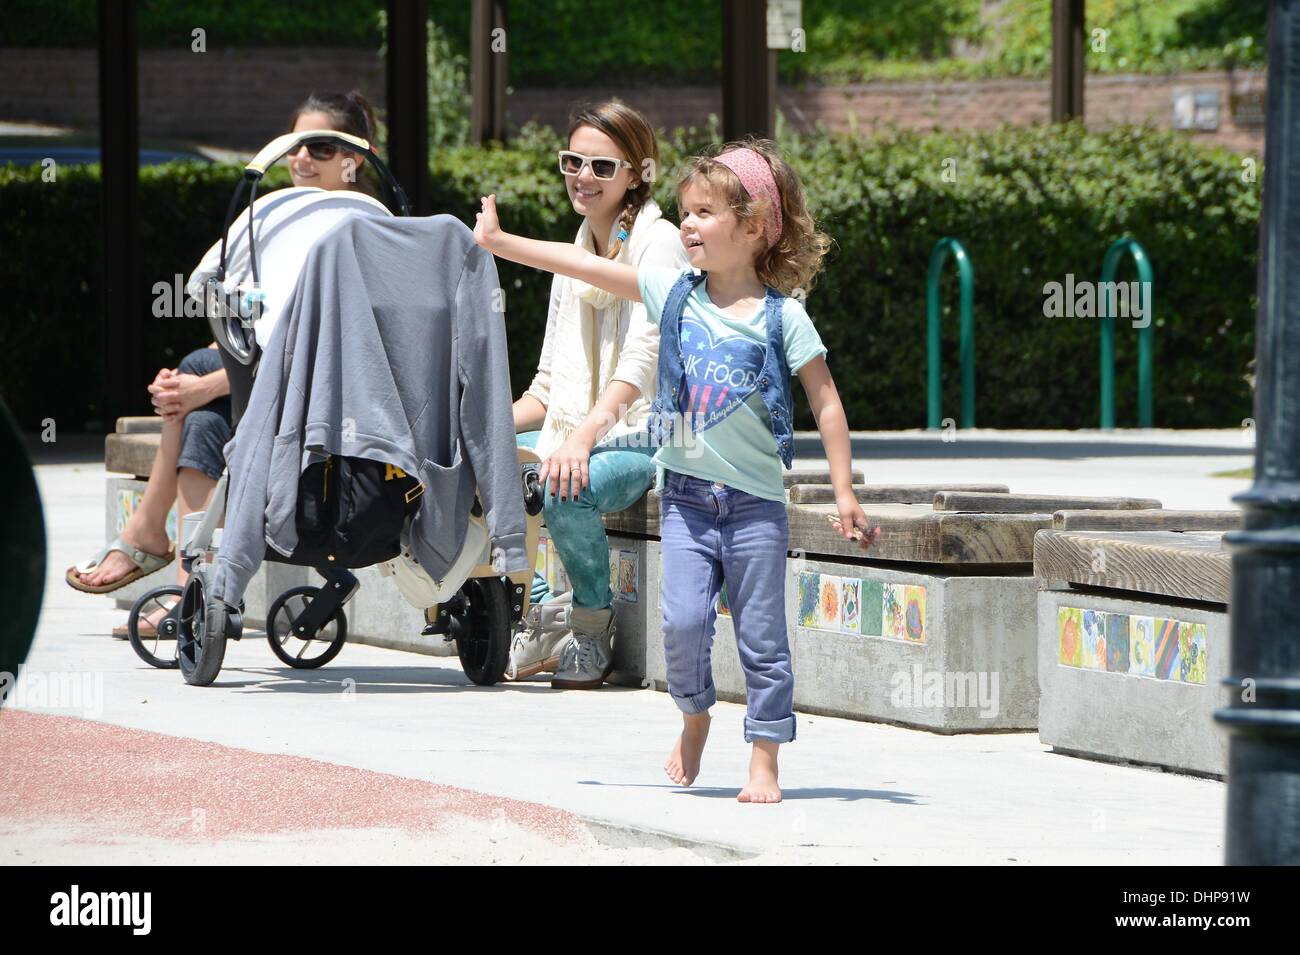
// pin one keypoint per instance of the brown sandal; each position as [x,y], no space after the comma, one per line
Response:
[145,564]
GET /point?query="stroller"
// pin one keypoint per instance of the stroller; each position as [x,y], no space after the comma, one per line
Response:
[473,604]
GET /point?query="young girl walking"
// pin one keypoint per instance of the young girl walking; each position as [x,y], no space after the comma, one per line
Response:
[731,337]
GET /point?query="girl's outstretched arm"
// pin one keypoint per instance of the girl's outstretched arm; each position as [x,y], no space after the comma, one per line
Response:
[833,424]
[562,258]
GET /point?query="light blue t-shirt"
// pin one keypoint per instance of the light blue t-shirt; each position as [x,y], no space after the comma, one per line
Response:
[723,357]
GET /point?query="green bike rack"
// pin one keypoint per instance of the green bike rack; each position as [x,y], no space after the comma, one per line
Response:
[944,248]
[1146,335]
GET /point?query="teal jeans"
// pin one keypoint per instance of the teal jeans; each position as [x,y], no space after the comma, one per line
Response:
[619,472]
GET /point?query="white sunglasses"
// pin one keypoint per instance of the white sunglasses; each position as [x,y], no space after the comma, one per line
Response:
[602,167]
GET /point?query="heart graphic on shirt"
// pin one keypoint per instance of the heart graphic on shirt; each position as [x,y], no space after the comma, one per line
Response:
[720,373]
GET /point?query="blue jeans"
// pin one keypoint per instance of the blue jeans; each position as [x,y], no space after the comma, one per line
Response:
[711,533]
[619,473]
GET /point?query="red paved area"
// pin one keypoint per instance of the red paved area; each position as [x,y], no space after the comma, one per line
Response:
[129,781]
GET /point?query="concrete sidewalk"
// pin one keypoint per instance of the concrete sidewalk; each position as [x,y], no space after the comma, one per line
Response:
[854,791]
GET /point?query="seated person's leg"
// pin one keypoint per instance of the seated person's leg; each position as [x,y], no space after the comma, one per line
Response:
[617,479]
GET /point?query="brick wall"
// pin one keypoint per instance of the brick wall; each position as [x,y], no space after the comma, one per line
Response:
[241,98]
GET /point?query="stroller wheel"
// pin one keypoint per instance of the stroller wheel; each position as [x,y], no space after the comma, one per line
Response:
[146,647]
[201,636]
[303,651]
[483,632]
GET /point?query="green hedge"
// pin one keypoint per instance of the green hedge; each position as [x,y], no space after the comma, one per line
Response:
[1030,205]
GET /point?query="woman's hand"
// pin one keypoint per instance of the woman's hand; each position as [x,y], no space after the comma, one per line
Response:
[487,228]
[161,384]
[566,468]
[852,523]
[178,394]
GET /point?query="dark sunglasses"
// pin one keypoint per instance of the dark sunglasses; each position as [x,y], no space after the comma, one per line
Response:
[323,152]
[602,167]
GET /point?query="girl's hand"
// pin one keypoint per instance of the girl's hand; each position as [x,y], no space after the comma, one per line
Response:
[852,523]
[487,228]
[566,468]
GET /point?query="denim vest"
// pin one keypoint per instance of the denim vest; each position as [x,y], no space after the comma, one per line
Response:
[773,380]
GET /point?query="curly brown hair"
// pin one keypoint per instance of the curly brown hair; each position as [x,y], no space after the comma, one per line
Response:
[791,264]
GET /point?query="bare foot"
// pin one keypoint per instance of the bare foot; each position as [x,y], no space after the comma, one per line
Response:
[684,763]
[117,565]
[762,774]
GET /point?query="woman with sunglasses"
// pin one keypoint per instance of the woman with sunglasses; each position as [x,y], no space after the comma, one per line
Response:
[193,398]
[586,410]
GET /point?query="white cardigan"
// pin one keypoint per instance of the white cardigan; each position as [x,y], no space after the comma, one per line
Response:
[616,342]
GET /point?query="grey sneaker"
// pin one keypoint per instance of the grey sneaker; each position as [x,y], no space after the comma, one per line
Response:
[587,659]
[536,649]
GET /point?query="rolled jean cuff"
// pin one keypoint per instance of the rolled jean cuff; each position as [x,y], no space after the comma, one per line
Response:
[774,731]
[698,702]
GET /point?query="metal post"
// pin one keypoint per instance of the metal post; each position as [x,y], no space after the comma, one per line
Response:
[1263,716]
[748,71]
[407,99]
[966,277]
[488,70]
[1146,333]
[1067,60]
[122,331]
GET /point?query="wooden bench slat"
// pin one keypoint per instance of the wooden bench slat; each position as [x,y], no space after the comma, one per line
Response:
[908,532]
[976,502]
[885,493]
[814,476]
[1148,519]
[1191,565]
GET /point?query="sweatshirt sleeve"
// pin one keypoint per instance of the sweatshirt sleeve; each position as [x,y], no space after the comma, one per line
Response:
[638,361]
[486,422]
[541,386]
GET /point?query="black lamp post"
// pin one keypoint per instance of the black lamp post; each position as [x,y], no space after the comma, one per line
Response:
[1263,718]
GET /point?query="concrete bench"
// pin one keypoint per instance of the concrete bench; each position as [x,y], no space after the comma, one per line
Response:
[1133,636]
[936,629]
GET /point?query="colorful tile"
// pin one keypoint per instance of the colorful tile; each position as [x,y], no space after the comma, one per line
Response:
[1117,657]
[627,573]
[1166,648]
[871,597]
[1069,635]
[851,602]
[914,613]
[893,611]
[724,606]
[1192,657]
[829,611]
[1142,647]
[809,594]
[1093,650]
[1160,647]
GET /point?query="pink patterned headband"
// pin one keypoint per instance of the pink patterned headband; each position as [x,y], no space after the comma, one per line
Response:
[756,176]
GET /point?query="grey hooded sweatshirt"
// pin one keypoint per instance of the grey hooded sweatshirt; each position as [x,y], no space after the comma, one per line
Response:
[393,348]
